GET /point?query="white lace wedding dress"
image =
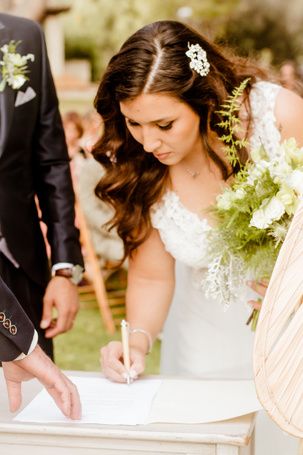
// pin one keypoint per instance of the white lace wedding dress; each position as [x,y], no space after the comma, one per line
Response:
[200,337]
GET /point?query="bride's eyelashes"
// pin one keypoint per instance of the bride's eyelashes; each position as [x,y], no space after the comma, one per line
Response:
[131,123]
[165,127]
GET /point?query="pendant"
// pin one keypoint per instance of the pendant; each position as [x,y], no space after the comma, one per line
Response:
[193,174]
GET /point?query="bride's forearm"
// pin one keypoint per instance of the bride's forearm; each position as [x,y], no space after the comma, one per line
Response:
[151,280]
[147,305]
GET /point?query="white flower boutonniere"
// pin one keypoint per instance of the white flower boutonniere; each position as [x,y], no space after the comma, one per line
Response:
[13,67]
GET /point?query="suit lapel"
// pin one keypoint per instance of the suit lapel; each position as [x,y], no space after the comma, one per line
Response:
[7,97]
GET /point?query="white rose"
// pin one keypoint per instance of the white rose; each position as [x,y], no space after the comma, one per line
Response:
[279,170]
[269,211]
[239,193]
[259,220]
[287,196]
[295,181]
[274,209]
[17,60]
[224,200]
[17,81]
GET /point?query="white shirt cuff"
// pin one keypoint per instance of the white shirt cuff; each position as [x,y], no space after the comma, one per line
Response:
[61,265]
[31,348]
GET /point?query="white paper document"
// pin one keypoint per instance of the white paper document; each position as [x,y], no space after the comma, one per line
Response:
[203,401]
[103,402]
[150,401]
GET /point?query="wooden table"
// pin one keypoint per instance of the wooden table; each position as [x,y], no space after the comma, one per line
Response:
[231,437]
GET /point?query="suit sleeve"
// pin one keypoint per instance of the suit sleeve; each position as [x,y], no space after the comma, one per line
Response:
[53,177]
[16,329]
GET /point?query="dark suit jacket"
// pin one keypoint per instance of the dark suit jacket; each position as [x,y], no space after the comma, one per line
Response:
[34,161]
[16,330]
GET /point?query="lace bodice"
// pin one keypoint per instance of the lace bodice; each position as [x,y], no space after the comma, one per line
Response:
[183,232]
[265,131]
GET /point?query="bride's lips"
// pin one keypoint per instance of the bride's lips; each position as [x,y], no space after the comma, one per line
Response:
[161,156]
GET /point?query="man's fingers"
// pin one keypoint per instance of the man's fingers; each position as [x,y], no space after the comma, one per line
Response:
[61,396]
[62,296]
[75,403]
[14,394]
[45,322]
[66,396]
[14,375]
[47,313]
[39,365]
[57,326]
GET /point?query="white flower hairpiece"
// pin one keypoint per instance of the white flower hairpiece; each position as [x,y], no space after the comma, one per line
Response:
[13,67]
[198,59]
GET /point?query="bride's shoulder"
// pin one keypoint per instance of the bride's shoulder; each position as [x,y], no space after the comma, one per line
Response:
[289,114]
[284,106]
[288,104]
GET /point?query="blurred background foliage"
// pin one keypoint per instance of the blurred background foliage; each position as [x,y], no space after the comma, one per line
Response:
[95,29]
[269,29]
[265,28]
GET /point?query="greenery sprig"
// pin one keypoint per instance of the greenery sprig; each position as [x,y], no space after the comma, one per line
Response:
[231,122]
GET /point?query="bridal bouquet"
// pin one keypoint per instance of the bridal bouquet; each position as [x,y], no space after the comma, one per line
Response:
[253,216]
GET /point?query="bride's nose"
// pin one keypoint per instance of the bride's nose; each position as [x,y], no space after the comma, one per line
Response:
[151,142]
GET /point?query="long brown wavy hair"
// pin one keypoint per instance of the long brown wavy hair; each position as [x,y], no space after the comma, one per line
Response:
[153,60]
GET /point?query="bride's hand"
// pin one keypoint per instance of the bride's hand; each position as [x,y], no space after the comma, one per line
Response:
[259,287]
[111,357]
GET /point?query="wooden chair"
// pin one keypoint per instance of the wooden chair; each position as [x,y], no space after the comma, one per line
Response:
[98,282]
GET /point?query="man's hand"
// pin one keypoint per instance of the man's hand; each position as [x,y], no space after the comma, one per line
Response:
[39,365]
[61,294]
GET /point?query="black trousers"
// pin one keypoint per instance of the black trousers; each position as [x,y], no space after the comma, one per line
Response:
[30,296]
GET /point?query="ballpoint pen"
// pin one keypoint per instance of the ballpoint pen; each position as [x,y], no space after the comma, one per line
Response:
[125,347]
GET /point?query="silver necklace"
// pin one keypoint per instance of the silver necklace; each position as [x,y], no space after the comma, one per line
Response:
[193,174]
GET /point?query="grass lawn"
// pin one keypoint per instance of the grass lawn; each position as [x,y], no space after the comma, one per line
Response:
[79,348]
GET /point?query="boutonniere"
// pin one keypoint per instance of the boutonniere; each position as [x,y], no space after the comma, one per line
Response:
[13,66]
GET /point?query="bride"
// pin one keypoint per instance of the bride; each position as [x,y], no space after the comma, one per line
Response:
[160,99]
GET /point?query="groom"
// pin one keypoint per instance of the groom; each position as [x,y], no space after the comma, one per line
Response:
[34,167]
